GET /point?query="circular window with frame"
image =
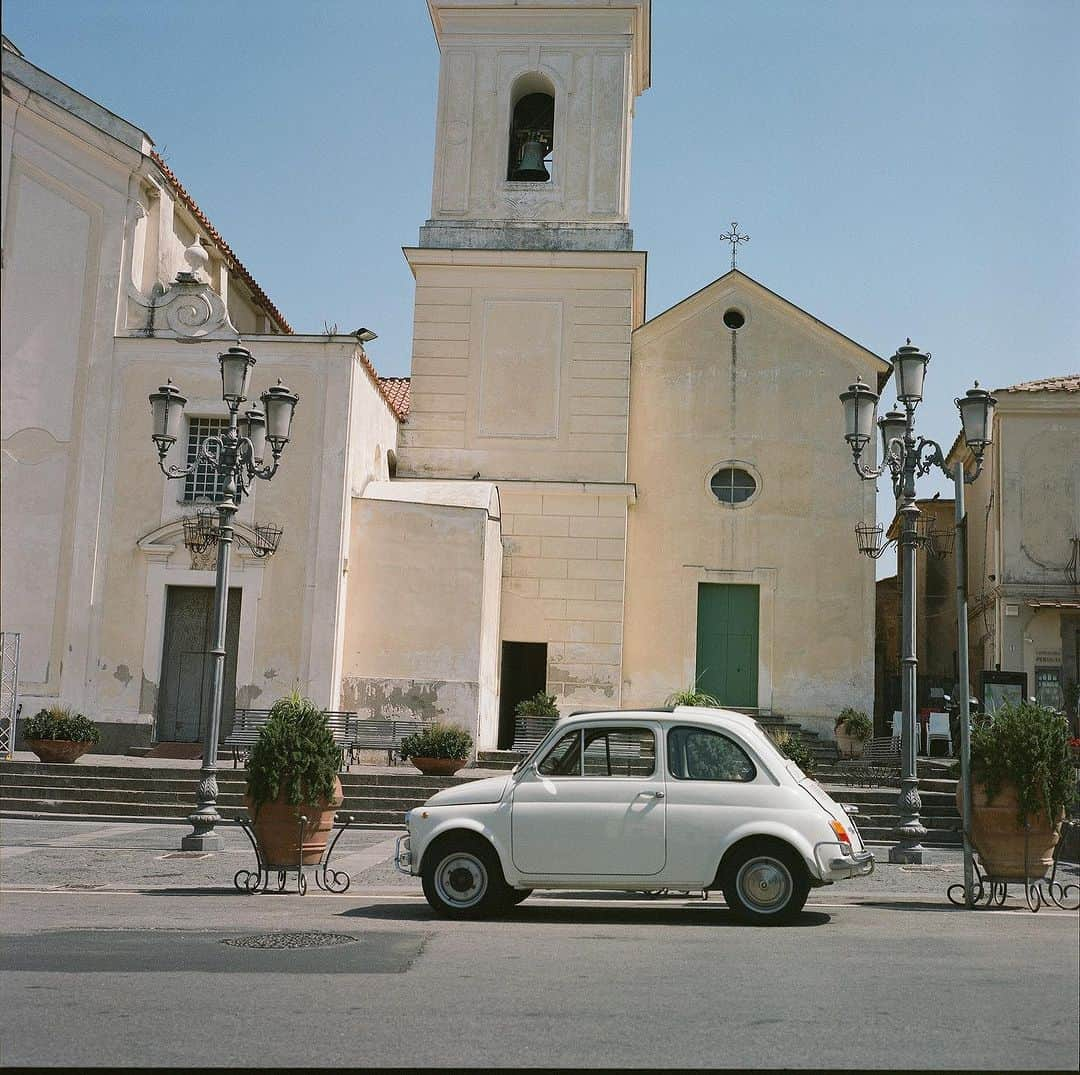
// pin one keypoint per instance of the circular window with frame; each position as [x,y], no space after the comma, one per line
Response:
[733,485]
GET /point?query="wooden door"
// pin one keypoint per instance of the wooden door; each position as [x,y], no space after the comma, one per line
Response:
[727,643]
[184,694]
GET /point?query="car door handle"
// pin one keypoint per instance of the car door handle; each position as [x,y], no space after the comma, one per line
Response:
[652,794]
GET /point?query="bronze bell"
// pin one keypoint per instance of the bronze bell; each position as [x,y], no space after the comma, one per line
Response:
[531,166]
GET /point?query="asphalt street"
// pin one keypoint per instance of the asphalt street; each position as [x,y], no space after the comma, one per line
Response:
[119,952]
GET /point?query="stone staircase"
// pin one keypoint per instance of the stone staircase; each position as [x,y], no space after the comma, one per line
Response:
[33,789]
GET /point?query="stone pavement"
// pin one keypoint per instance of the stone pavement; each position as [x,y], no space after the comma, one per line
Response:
[47,855]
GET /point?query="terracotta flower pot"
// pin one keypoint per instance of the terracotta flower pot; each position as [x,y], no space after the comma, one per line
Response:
[848,745]
[57,750]
[277,828]
[1000,839]
[438,766]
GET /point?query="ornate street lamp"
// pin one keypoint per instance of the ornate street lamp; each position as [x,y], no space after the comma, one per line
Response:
[908,457]
[236,455]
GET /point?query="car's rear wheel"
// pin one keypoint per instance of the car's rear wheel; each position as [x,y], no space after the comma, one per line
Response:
[765,883]
[462,877]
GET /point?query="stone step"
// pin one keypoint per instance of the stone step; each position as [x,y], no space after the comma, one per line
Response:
[941,800]
[933,837]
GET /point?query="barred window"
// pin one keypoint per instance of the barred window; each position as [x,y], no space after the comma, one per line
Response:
[204,483]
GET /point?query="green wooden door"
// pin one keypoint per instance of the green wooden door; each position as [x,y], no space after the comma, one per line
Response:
[727,643]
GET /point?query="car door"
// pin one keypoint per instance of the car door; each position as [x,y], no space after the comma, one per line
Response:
[593,805]
[716,784]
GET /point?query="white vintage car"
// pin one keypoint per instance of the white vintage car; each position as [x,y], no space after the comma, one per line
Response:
[693,799]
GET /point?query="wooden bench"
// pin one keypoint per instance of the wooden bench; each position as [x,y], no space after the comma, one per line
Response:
[248,722]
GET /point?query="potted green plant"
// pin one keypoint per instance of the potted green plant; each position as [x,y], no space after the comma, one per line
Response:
[852,727]
[539,705]
[1022,778]
[57,734]
[438,750]
[692,696]
[293,773]
[793,747]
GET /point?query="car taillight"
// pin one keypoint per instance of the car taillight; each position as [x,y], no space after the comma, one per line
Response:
[842,836]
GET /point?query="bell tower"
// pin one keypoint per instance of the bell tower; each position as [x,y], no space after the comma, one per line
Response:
[527,291]
[532,144]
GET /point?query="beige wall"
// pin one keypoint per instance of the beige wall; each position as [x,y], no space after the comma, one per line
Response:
[423,595]
[290,630]
[64,204]
[563,572]
[521,364]
[770,408]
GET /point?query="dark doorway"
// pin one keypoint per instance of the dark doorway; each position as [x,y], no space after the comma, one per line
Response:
[524,673]
[184,695]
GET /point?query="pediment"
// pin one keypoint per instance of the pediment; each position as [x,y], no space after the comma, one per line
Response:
[732,286]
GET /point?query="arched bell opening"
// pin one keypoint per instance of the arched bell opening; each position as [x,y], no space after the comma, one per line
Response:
[532,130]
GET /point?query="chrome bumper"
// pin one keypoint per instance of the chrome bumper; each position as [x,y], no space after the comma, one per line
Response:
[841,867]
[403,855]
[861,865]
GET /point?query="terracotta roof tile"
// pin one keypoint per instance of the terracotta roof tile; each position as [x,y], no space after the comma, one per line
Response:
[236,266]
[396,392]
[1069,382]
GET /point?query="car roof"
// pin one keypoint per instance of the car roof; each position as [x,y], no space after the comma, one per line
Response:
[682,712]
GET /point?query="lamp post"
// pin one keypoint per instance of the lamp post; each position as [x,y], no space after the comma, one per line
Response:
[907,458]
[236,455]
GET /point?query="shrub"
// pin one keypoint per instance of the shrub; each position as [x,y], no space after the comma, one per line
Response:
[59,722]
[1025,745]
[854,722]
[692,696]
[295,753]
[792,747]
[539,705]
[438,741]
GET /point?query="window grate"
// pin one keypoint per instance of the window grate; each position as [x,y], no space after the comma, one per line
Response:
[204,483]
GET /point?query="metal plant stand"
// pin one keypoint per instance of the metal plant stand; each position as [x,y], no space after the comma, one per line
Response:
[992,892]
[258,880]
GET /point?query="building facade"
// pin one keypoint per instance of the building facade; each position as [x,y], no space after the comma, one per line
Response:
[563,498]
[1024,544]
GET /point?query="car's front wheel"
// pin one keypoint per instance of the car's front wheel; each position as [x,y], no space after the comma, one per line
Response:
[462,877]
[765,883]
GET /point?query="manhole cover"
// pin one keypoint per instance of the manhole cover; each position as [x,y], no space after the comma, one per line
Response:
[309,939]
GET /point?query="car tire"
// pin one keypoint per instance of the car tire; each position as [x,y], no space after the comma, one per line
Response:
[462,877]
[765,883]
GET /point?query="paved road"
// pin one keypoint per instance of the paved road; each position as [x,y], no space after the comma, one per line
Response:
[140,972]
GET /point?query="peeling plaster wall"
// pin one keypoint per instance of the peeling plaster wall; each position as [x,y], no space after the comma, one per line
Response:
[418,636]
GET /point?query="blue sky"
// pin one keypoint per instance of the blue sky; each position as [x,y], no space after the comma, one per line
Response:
[902,169]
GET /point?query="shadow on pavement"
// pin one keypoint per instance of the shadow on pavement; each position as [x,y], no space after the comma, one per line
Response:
[628,916]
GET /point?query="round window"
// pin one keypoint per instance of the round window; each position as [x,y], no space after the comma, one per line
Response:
[733,485]
[734,318]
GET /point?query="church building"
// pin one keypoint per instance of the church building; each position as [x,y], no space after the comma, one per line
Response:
[564,497]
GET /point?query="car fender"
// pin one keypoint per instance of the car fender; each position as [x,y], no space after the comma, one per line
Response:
[780,831]
[463,824]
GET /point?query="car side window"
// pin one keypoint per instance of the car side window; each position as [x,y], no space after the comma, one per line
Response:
[700,754]
[620,752]
[564,758]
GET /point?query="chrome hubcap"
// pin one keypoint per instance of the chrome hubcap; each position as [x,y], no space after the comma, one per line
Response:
[764,884]
[461,879]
